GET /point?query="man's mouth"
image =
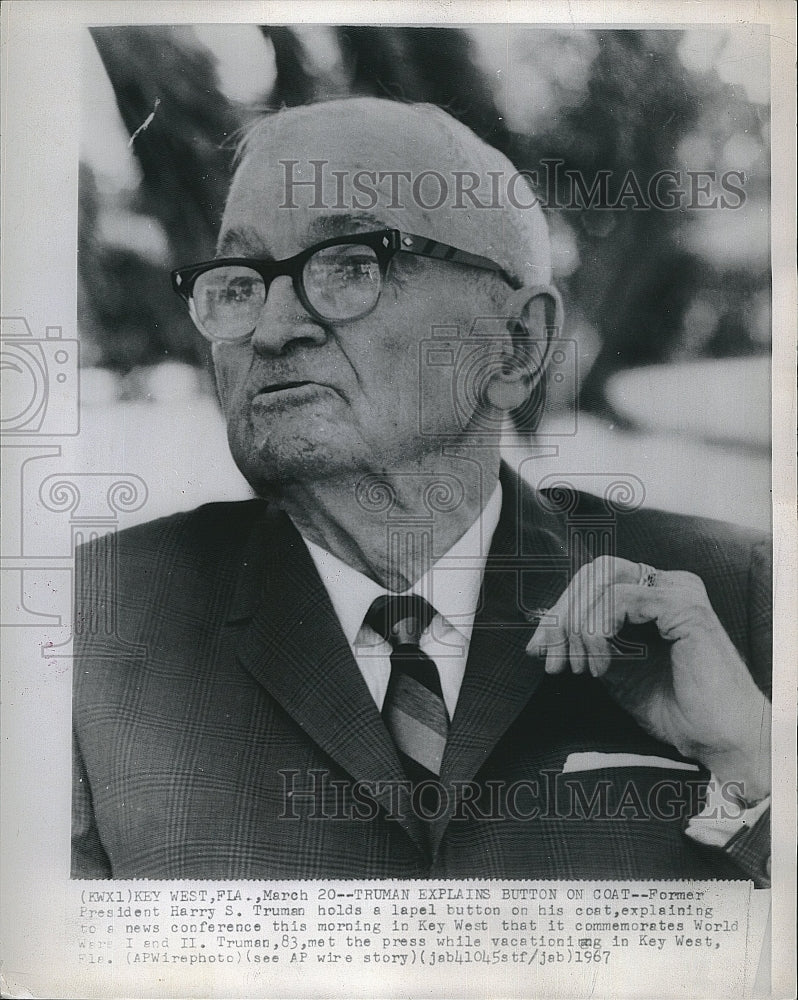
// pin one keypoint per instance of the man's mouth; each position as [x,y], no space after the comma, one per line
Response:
[291,392]
[281,386]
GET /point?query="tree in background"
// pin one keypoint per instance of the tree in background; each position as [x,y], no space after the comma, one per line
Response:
[128,315]
[625,102]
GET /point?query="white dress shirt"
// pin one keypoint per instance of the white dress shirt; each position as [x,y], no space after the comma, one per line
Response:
[451,585]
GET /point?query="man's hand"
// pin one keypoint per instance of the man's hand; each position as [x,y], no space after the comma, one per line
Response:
[695,693]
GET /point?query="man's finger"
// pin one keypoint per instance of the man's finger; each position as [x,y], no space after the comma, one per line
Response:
[582,592]
[586,618]
[578,599]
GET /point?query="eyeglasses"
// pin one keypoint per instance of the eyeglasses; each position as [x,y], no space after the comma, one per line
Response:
[337,281]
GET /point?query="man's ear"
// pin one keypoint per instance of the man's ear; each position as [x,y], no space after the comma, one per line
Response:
[535,317]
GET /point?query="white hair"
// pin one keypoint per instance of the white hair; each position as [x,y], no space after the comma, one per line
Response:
[511,230]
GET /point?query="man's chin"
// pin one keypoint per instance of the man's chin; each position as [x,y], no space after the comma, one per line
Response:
[271,469]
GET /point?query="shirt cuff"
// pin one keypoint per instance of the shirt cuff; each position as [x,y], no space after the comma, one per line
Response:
[723,817]
[742,832]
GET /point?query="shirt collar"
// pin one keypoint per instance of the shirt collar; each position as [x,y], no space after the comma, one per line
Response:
[452,584]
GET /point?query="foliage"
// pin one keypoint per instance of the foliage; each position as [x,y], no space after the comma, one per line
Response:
[628,104]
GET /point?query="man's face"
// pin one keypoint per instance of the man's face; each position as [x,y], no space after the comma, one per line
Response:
[358,405]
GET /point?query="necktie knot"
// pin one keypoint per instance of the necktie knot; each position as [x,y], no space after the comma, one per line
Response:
[400,619]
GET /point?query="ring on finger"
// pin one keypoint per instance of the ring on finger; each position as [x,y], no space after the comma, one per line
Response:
[648,576]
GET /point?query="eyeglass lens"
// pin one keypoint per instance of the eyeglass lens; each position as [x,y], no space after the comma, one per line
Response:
[339,282]
[342,282]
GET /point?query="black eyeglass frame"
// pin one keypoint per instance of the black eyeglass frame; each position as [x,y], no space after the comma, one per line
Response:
[385,243]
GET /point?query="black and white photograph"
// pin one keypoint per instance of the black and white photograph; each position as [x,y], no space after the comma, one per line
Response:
[392,464]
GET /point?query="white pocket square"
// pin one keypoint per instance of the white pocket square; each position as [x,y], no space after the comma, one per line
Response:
[592,761]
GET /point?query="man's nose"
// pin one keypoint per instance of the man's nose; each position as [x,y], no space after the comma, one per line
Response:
[283,320]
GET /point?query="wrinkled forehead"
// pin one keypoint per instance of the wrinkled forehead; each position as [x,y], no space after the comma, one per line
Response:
[327,169]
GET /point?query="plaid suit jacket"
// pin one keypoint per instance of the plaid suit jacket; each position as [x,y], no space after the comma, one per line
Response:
[223,729]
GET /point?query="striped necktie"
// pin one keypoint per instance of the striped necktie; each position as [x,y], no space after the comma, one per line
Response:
[414,711]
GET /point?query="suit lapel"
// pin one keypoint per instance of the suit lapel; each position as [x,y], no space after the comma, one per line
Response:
[293,645]
[527,570]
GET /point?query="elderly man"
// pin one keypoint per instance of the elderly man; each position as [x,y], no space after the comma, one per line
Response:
[382,667]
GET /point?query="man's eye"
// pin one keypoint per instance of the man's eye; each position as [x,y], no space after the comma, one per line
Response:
[238,291]
[360,269]
[349,270]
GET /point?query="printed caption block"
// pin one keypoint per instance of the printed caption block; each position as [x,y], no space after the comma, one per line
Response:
[561,937]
